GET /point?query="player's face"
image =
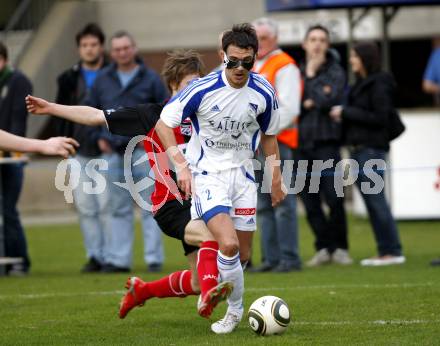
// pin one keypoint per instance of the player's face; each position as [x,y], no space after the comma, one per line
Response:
[267,41]
[123,51]
[316,43]
[238,76]
[90,49]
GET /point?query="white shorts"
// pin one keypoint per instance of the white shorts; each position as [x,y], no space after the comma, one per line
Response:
[231,191]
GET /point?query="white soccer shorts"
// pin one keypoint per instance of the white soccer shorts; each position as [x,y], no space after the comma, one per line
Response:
[231,191]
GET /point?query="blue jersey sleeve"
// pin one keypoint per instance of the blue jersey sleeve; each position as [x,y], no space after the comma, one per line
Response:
[269,118]
[186,103]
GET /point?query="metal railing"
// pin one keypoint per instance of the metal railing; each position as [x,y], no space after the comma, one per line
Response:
[27,16]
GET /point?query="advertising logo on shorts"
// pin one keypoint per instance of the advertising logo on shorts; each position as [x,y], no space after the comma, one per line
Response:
[245,211]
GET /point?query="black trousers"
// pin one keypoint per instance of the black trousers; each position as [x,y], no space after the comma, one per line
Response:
[330,229]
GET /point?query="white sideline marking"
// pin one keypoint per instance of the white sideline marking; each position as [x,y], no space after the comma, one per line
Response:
[250,289]
[307,287]
[378,322]
[61,295]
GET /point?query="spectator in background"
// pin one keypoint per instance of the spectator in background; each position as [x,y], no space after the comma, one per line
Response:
[220,54]
[431,78]
[319,139]
[279,226]
[73,85]
[365,120]
[126,83]
[14,86]
[431,85]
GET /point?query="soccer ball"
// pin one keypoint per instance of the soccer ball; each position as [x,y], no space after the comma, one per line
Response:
[269,315]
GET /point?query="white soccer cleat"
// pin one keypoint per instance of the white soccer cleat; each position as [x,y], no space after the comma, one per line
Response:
[228,323]
[383,261]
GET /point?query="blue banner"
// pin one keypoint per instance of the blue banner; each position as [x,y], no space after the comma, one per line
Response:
[286,5]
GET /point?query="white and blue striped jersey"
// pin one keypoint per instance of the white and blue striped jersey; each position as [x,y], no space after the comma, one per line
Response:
[226,121]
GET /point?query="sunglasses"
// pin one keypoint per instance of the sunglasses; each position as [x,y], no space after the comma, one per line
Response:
[232,62]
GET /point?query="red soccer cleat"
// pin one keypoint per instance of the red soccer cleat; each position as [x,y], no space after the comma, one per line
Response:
[215,295]
[132,298]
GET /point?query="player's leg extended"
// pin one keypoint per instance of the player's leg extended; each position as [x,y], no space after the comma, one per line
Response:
[242,217]
[205,267]
[230,269]
[177,284]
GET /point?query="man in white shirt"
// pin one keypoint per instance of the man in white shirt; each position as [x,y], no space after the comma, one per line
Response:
[279,226]
[230,111]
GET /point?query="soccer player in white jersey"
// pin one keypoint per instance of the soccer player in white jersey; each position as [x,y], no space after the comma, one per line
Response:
[231,111]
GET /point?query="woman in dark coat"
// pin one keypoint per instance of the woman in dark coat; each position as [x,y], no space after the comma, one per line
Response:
[365,120]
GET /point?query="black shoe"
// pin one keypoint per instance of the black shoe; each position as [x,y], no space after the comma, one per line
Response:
[263,268]
[92,266]
[154,267]
[111,268]
[435,262]
[285,268]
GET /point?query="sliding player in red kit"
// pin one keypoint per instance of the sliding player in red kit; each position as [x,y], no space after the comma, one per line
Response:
[171,209]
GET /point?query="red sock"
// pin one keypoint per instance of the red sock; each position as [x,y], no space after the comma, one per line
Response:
[177,284]
[207,266]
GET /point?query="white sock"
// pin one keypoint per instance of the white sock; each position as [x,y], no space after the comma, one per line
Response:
[230,270]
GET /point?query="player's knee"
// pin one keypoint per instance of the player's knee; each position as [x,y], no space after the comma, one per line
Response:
[229,248]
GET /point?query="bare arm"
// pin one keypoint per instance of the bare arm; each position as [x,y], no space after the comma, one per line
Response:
[168,140]
[79,114]
[59,146]
[270,148]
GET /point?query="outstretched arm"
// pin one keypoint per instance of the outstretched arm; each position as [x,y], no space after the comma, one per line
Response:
[79,114]
[58,146]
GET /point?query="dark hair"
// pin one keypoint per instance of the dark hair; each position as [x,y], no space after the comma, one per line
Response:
[90,29]
[242,36]
[181,63]
[3,51]
[369,54]
[317,27]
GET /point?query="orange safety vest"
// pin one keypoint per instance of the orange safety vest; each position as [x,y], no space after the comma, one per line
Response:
[269,69]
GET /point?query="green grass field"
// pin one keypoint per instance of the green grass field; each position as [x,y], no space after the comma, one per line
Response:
[332,305]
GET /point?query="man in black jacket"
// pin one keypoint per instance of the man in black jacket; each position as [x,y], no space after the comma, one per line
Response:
[319,141]
[14,86]
[73,85]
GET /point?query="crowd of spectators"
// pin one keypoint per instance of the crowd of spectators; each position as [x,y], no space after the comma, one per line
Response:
[319,114]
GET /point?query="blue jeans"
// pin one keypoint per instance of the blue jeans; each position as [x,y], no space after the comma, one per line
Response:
[279,225]
[15,239]
[94,212]
[122,225]
[384,227]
